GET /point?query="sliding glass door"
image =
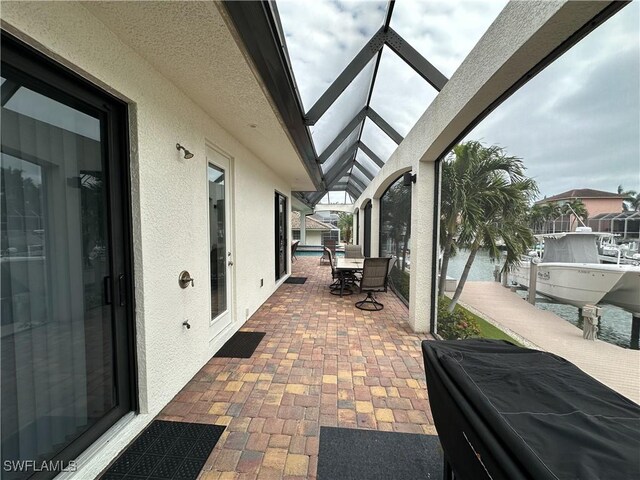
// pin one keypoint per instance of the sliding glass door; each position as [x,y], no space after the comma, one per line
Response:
[65,327]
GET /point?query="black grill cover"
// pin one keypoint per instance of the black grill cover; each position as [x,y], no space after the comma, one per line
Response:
[503,411]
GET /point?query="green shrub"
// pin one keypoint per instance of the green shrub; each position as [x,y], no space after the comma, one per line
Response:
[456,325]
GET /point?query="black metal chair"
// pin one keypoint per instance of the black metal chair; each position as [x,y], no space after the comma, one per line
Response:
[294,249]
[375,278]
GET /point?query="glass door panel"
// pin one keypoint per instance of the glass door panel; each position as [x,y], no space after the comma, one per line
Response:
[281,235]
[217,240]
[59,360]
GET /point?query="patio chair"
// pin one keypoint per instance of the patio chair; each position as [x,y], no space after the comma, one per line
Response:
[329,244]
[353,251]
[294,249]
[340,278]
[375,278]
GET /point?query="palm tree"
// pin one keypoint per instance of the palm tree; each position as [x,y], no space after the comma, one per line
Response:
[505,205]
[631,201]
[470,176]
[345,224]
[550,212]
[536,218]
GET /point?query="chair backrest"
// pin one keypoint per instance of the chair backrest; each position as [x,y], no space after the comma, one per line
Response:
[330,255]
[330,243]
[393,261]
[375,273]
[294,247]
[352,251]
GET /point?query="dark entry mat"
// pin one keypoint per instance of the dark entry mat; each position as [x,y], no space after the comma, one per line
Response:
[352,454]
[241,345]
[166,450]
[296,280]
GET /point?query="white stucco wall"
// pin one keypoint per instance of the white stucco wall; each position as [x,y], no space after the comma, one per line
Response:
[169,204]
[313,237]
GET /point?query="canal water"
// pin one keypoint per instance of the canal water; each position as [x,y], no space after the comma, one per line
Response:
[615,325]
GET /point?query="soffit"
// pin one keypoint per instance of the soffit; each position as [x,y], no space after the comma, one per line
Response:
[190,44]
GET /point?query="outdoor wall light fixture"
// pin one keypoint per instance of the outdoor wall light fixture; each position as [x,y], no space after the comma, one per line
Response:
[408,179]
[187,153]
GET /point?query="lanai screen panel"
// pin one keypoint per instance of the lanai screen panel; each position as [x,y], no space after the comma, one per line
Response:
[389,88]
[322,37]
[444,32]
[394,76]
[347,106]
[379,142]
[341,150]
[367,163]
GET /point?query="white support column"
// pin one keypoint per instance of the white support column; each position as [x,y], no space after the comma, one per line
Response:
[303,229]
[375,227]
[422,236]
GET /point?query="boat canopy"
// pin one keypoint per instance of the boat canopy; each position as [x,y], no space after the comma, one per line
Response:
[580,248]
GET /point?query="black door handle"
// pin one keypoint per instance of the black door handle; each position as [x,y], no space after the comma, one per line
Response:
[122,290]
[108,296]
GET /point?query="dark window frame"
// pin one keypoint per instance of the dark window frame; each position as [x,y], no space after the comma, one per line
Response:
[366,239]
[279,273]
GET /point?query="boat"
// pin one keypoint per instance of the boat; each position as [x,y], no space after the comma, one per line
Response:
[570,271]
[626,292]
[611,252]
[631,251]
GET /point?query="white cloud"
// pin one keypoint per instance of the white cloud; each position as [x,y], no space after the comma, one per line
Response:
[577,124]
[323,37]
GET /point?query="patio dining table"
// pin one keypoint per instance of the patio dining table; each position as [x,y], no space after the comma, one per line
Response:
[344,265]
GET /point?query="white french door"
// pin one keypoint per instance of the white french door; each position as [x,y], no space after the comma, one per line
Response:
[220,254]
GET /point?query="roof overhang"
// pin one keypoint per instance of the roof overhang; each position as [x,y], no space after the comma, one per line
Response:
[193,45]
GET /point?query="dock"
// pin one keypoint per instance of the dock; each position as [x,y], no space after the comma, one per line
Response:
[616,367]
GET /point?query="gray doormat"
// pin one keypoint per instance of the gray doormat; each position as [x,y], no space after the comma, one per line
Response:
[166,450]
[350,454]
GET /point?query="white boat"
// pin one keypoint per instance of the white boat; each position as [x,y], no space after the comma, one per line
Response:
[612,252]
[570,272]
[626,292]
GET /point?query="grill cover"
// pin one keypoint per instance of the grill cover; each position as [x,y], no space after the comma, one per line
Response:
[502,411]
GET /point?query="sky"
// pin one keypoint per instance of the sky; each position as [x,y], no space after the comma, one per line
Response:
[575,125]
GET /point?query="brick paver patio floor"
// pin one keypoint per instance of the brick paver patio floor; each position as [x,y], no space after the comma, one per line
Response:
[322,362]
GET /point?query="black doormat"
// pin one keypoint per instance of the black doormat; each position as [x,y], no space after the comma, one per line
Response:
[166,450]
[296,280]
[347,453]
[241,345]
